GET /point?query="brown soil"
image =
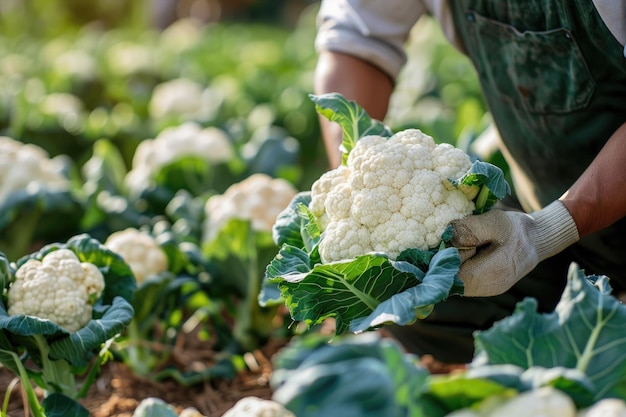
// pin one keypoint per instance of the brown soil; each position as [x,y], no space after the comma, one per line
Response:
[117,391]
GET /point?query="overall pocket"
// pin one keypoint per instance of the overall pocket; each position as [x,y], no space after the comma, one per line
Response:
[541,71]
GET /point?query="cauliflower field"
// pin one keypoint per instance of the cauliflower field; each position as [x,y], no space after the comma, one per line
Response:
[163,193]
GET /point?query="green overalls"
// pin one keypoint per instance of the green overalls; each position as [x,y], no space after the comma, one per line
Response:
[554,78]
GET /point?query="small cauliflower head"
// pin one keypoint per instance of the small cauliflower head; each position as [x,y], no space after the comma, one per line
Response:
[177,97]
[211,144]
[393,194]
[259,198]
[28,166]
[140,251]
[59,288]
[544,401]
[257,407]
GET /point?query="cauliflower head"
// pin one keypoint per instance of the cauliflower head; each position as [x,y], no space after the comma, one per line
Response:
[140,251]
[177,97]
[28,166]
[174,143]
[259,198]
[59,288]
[393,194]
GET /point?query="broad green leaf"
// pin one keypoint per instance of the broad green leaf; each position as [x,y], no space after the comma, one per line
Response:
[60,405]
[106,169]
[29,325]
[271,150]
[191,173]
[361,293]
[78,348]
[416,302]
[586,332]
[41,199]
[570,381]
[151,293]
[290,261]
[360,375]
[37,214]
[352,118]
[287,229]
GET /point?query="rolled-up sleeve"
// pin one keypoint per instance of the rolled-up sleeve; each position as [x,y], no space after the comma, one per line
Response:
[373,30]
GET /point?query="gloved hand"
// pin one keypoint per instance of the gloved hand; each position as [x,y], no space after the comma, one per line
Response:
[498,248]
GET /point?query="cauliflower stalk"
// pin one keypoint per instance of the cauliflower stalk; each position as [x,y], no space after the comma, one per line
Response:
[237,238]
[367,244]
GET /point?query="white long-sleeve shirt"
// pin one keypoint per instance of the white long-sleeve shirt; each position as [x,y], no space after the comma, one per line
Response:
[377,30]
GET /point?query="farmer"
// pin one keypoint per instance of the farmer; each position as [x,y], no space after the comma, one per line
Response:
[553,73]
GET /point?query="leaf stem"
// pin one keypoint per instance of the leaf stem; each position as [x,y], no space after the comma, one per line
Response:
[7,396]
[57,374]
[31,398]
[481,199]
[585,358]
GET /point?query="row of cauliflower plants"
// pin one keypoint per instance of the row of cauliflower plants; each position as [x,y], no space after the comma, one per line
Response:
[128,141]
[198,262]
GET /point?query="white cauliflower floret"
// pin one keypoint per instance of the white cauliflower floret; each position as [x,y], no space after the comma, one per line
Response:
[140,251]
[257,407]
[258,198]
[27,166]
[58,288]
[189,139]
[392,195]
[330,180]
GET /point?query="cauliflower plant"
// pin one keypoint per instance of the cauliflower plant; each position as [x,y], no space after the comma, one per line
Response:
[59,288]
[183,98]
[393,194]
[187,140]
[28,166]
[140,251]
[258,198]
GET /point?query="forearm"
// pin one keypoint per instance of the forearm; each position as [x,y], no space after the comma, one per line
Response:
[597,199]
[356,80]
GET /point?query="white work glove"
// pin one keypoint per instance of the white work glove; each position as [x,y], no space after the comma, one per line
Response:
[498,248]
